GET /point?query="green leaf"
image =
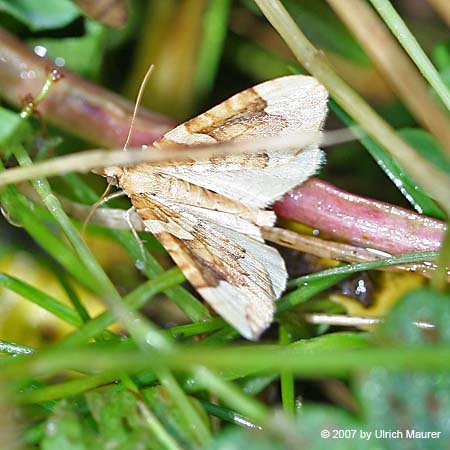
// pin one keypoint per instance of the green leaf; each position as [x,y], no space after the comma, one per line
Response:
[215,20]
[82,55]
[411,400]
[420,305]
[40,298]
[120,424]
[66,429]
[427,146]
[42,14]
[441,56]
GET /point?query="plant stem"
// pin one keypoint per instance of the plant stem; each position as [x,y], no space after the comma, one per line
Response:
[167,441]
[232,396]
[412,47]
[360,221]
[286,378]
[433,180]
[73,99]
[439,281]
[192,419]
[304,358]
[408,258]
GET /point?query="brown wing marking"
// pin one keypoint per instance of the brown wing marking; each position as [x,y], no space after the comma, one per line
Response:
[203,257]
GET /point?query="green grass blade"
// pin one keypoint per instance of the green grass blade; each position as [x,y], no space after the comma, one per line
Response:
[41,299]
[412,47]
[286,378]
[213,37]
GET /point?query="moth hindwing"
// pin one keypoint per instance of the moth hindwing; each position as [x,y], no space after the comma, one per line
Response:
[208,214]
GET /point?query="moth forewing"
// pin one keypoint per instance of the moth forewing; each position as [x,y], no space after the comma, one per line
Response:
[207,214]
[283,106]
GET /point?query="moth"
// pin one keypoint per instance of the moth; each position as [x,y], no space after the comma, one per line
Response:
[208,214]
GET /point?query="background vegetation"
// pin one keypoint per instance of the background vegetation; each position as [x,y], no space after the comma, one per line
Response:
[103,348]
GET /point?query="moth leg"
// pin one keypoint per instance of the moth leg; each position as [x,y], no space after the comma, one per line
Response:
[134,232]
[111,197]
[102,200]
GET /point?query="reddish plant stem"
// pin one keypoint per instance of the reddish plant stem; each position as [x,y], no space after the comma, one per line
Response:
[358,220]
[102,117]
[82,108]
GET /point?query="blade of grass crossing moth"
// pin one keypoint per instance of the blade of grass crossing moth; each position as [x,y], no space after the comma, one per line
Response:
[109,293]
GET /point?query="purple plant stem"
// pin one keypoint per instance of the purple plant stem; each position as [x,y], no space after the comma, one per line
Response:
[102,117]
[82,108]
[358,220]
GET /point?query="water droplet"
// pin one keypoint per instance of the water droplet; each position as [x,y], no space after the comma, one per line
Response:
[40,50]
[50,428]
[139,264]
[60,61]
[361,288]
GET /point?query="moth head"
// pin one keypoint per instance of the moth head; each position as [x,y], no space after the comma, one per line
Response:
[112,174]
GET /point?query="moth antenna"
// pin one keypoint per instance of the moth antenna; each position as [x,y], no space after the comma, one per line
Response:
[137,103]
[103,198]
